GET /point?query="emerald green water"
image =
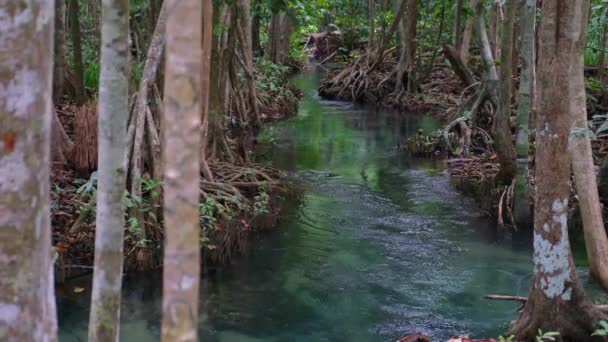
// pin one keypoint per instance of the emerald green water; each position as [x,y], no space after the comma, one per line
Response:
[379,245]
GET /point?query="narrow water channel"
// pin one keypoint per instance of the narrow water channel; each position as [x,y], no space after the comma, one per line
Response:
[380,245]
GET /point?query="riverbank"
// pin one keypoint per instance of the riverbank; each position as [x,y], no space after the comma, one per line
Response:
[243,198]
[467,149]
[377,245]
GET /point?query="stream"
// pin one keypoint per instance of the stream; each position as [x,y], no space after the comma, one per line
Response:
[378,245]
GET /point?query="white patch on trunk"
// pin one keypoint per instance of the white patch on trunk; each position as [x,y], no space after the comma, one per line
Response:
[9,312]
[14,172]
[186,282]
[21,92]
[552,260]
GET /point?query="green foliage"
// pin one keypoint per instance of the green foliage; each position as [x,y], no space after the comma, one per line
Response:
[267,136]
[91,77]
[271,82]
[509,338]
[87,187]
[261,204]
[547,336]
[603,330]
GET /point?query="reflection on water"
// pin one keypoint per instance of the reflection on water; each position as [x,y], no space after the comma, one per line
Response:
[380,246]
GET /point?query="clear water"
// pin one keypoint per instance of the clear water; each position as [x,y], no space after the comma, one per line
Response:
[379,246]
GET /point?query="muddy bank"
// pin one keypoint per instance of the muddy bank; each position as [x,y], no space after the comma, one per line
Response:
[243,199]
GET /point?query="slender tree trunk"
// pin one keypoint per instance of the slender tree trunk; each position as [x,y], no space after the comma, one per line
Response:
[406,69]
[27,295]
[522,211]
[467,36]
[182,142]
[458,26]
[490,80]
[59,66]
[206,84]
[602,66]
[583,167]
[113,115]
[244,9]
[502,128]
[255,32]
[371,36]
[74,12]
[496,18]
[557,300]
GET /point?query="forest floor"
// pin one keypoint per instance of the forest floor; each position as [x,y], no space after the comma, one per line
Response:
[243,199]
[441,94]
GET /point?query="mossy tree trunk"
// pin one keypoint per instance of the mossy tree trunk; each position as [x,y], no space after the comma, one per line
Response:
[181,156]
[27,294]
[501,125]
[522,209]
[557,300]
[110,222]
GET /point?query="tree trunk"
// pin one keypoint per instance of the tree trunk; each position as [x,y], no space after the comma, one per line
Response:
[60,64]
[467,36]
[181,152]
[583,167]
[557,300]
[60,141]
[140,121]
[109,228]
[490,81]
[496,18]
[27,295]
[371,36]
[457,26]
[206,85]
[279,35]
[244,9]
[74,12]
[521,210]
[501,126]
[601,68]
[255,31]
[406,69]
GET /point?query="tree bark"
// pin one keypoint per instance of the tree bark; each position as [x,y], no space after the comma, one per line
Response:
[181,153]
[113,115]
[601,68]
[279,35]
[255,31]
[406,68]
[522,210]
[60,63]
[206,85]
[501,126]
[371,36]
[557,300]
[583,167]
[467,36]
[74,12]
[27,295]
[244,9]
[457,26]
[490,81]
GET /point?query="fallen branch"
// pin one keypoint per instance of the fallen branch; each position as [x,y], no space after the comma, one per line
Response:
[524,300]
